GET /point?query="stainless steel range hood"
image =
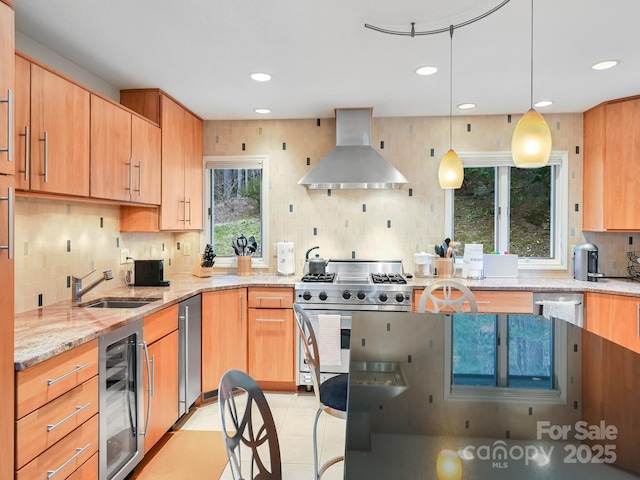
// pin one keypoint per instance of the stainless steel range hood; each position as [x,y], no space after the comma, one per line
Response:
[353,164]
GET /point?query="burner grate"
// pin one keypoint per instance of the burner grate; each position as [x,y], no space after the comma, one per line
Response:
[319,277]
[394,278]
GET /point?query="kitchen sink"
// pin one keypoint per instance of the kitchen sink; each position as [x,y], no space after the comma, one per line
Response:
[113,302]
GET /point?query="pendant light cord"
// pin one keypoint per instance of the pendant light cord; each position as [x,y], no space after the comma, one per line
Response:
[531,80]
[451,86]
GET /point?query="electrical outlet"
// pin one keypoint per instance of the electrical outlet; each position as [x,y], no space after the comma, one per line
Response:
[124,253]
[186,249]
[154,251]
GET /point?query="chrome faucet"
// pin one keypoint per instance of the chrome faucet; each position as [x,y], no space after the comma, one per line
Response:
[76,284]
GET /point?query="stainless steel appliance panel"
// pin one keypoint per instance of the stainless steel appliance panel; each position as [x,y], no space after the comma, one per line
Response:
[189,352]
[122,427]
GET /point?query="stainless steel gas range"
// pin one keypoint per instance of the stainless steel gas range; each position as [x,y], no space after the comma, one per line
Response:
[347,287]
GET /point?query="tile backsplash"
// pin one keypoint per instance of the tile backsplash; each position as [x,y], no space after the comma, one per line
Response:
[57,239]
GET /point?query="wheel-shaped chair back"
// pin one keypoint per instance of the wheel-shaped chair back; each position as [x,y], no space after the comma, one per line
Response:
[452,298]
[248,429]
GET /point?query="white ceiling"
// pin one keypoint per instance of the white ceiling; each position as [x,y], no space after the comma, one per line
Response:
[321,56]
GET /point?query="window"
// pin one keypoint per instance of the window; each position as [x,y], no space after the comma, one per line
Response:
[507,209]
[236,203]
[505,357]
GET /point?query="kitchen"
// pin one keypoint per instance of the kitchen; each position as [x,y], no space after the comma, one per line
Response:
[45,227]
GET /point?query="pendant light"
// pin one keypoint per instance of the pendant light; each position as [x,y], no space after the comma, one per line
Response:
[531,141]
[450,171]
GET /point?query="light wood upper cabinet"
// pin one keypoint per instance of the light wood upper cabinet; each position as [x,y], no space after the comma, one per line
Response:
[224,334]
[611,151]
[22,122]
[193,172]
[59,134]
[147,161]
[7,93]
[125,155]
[182,168]
[173,211]
[111,172]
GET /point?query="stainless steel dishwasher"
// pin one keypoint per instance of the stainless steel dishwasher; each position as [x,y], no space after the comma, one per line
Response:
[189,352]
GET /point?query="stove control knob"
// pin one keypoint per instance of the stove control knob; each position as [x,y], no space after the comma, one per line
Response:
[361,295]
[346,294]
[399,297]
[306,296]
[322,296]
[383,297]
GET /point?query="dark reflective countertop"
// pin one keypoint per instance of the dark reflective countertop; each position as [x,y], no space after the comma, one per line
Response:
[406,421]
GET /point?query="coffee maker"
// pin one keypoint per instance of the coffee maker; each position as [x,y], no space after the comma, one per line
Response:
[585,263]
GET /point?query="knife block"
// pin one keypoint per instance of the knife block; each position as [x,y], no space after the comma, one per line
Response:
[199,271]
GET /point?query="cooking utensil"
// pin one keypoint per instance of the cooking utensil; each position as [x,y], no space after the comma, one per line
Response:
[316,265]
[234,244]
[252,246]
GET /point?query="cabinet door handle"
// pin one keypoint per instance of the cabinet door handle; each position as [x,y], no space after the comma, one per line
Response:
[241,308]
[27,146]
[9,199]
[9,102]
[62,377]
[139,167]
[185,213]
[272,320]
[78,409]
[130,165]
[184,210]
[146,358]
[46,157]
[52,473]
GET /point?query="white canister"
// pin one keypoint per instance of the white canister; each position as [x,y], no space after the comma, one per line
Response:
[286,260]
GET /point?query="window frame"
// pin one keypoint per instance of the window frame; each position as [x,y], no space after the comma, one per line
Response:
[236,162]
[558,395]
[560,203]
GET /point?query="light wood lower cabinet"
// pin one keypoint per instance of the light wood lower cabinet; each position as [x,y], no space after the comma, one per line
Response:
[56,427]
[224,334]
[271,335]
[493,301]
[43,427]
[62,459]
[161,335]
[614,317]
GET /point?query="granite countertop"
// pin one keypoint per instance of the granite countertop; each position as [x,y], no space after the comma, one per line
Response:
[47,331]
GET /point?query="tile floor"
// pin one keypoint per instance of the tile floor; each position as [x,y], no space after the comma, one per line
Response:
[294,414]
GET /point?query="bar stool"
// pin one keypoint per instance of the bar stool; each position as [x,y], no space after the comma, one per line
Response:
[330,394]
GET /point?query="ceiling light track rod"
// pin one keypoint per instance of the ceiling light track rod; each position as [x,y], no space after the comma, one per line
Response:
[412,33]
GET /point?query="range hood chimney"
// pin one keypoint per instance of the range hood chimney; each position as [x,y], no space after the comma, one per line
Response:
[353,164]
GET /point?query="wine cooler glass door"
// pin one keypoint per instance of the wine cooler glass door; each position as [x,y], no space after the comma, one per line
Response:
[120,409]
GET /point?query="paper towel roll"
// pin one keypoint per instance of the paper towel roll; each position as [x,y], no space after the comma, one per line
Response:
[286,260]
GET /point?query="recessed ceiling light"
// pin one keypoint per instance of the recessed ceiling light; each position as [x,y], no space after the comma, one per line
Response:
[604,65]
[261,77]
[262,110]
[426,70]
[466,106]
[543,103]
